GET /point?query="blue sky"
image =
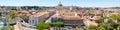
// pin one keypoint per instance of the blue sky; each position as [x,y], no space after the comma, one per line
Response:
[81,3]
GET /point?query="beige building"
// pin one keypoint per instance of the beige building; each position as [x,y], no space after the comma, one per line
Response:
[40,16]
[109,12]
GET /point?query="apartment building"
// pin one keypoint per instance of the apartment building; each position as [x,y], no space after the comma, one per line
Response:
[23,13]
[72,19]
[109,12]
[41,16]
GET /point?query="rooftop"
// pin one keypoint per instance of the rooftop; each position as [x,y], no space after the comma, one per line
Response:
[71,17]
[40,13]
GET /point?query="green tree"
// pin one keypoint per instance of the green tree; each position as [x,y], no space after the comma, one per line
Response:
[0,13]
[12,28]
[110,25]
[30,7]
[58,24]
[91,27]
[42,26]
[91,14]
[101,28]
[102,18]
[12,14]
[25,18]
[115,17]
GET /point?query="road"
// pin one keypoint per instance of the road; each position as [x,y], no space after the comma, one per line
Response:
[23,25]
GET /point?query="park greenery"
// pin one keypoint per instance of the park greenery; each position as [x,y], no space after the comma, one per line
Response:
[7,28]
[12,14]
[0,13]
[111,24]
[8,23]
[42,25]
[11,17]
[57,24]
[91,14]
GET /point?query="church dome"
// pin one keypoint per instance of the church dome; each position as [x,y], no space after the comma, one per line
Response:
[60,4]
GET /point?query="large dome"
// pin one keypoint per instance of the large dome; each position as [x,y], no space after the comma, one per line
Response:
[60,4]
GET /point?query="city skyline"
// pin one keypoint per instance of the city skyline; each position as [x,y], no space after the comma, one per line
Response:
[80,3]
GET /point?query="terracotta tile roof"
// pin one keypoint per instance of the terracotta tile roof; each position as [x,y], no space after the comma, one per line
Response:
[71,17]
[40,14]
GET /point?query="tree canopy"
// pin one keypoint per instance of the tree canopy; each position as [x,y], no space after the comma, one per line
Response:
[92,28]
[116,17]
[91,14]
[42,26]
[109,25]
[57,23]
[12,14]
[0,13]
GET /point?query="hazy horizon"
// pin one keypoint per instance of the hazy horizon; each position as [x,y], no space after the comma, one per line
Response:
[79,3]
